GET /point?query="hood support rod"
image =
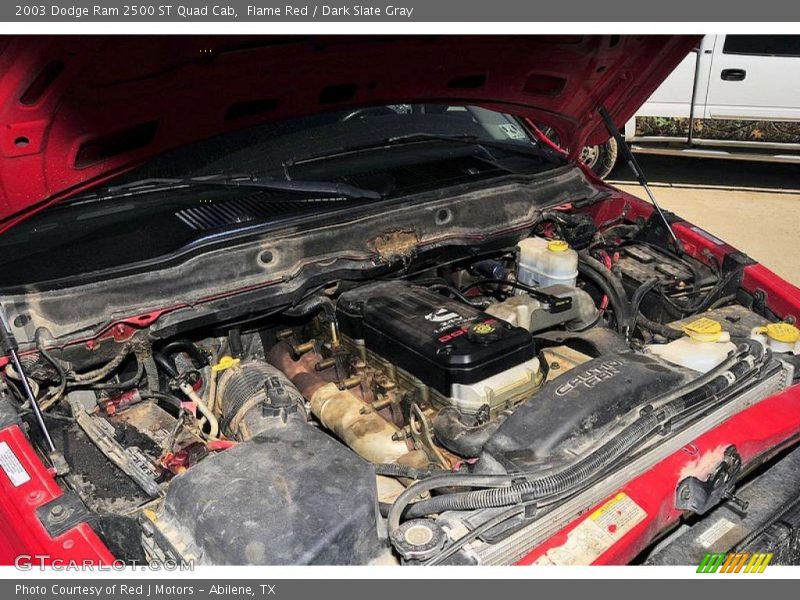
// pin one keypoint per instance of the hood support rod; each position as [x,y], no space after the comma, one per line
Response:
[633,164]
[9,347]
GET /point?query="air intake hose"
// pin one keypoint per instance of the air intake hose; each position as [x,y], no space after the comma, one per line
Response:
[255,396]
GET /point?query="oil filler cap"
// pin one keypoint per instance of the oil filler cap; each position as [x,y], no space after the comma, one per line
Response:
[486,332]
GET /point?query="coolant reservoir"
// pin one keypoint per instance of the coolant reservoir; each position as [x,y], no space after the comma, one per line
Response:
[545,262]
[703,347]
[778,337]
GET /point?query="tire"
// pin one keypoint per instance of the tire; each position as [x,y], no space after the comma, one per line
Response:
[600,159]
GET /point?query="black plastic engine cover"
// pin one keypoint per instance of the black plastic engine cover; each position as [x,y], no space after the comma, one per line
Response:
[290,495]
[439,340]
[578,404]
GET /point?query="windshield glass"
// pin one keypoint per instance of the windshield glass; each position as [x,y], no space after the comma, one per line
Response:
[280,149]
[265,175]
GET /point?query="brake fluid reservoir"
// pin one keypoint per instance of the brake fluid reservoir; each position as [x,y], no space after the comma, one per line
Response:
[545,262]
[703,347]
[778,337]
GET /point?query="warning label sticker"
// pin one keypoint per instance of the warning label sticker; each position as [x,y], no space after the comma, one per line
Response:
[12,467]
[596,533]
[715,533]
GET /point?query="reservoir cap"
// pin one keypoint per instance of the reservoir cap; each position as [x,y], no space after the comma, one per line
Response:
[783,332]
[704,330]
[557,246]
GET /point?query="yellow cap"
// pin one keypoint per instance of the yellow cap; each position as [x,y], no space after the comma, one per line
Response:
[225,362]
[704,330]
[557,246]
[783,332]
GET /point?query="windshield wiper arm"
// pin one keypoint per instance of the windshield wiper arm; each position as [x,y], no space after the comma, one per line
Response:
[325,188]
[532,150]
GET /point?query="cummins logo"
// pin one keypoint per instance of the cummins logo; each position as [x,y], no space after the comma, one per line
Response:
[591,377]
[441,315]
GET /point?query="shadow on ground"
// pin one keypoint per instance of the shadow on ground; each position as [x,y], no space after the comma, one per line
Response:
[709,172]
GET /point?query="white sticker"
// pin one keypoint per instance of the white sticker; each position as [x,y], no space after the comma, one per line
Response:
[715,533]
[12,467]
[596,533]
[708,236]
[512,131]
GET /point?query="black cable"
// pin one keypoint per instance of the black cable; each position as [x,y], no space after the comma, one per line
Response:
[664,331]
[53,397]
[105,370]
[457,293]
[722,300]
[702,303]
[641,292]
[405,471]
[169,398]
[122,385]
[514,284]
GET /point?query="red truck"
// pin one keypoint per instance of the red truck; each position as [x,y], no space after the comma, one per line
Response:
[337,300]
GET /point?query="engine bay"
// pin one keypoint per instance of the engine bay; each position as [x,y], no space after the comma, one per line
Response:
[420,417]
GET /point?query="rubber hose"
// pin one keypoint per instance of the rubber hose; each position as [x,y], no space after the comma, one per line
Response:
[106,369]
[435,482]
[145,357]
[151,371]
[458,295]
[462,438]
[549,484]
[405,471]
[174,401]
[611,286]
[199,359]
[662,330]
[313,305]
[638,297]
[122,385]
[166,365]
[55,396]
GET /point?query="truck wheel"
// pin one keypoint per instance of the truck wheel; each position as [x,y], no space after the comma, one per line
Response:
[600,158]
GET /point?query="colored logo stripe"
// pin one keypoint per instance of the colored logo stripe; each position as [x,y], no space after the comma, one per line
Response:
[735,562]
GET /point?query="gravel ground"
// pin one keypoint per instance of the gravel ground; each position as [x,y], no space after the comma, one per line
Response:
[752,206]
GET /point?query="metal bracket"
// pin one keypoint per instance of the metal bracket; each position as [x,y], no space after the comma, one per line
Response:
[701,496]
[62,514]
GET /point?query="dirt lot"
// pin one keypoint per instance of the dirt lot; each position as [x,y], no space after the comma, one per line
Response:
[753,206]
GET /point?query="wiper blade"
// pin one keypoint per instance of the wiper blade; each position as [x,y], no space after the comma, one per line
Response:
[325,188]
[332,189]
[529,150]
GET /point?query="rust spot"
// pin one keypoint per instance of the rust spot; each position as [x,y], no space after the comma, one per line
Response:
[400,243]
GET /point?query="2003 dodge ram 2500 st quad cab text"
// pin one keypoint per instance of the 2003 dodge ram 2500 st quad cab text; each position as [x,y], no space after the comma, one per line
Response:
[339,301]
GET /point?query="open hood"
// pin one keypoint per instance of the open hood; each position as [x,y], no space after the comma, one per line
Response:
[76,111]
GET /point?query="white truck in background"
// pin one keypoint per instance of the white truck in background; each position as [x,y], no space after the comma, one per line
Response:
[734,97]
